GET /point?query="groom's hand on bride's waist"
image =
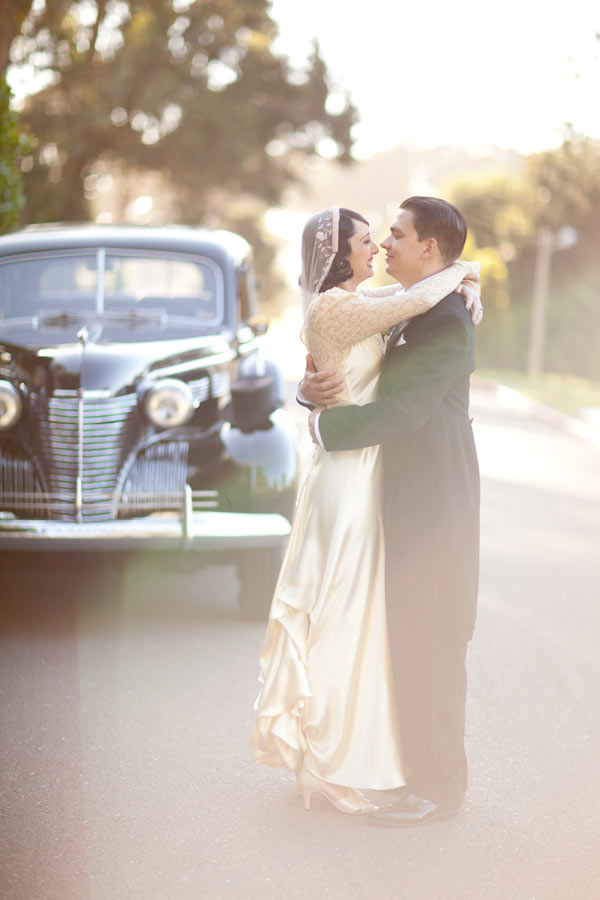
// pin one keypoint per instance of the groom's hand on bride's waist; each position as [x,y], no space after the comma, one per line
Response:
[319,388]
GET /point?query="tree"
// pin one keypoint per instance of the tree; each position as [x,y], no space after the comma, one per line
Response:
[190,89]
[12,148]
[568,191]
[12,144]
[557,188]
[12,15]
[497,208]
[567,182]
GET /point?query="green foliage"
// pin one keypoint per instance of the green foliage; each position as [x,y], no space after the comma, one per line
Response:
[557,188]
[12,148]
[494,335]
[499,209]
[191,90]
[568,184]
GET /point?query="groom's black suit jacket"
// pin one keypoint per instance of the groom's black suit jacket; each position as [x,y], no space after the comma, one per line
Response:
[431,514]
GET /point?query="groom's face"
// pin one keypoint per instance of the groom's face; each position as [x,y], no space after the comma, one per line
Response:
[405,255]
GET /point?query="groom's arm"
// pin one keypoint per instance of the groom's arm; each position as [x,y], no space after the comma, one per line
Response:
[413,384]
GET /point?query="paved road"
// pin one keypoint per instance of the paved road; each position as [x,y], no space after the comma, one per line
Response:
[126,707]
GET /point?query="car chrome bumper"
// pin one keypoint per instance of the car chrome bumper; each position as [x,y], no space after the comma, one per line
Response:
[209,532]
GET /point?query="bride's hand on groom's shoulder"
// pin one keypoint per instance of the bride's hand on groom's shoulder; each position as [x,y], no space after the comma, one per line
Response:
[320,388]
[471,291]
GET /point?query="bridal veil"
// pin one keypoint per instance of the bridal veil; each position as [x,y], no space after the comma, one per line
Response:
[319,247]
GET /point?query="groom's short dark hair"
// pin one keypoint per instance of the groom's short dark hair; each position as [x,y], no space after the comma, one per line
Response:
[440,220]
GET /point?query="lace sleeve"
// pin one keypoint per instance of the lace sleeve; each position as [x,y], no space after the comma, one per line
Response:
[346,318]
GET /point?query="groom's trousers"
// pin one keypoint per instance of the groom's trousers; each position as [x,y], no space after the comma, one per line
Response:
[430,681]
[432,540]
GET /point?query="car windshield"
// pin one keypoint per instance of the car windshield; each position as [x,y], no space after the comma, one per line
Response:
[112,281]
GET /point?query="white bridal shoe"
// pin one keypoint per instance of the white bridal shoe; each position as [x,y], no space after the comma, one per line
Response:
[352,802]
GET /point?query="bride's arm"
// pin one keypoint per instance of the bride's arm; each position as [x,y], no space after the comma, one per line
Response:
[347,318]
[388,290]
[471,276]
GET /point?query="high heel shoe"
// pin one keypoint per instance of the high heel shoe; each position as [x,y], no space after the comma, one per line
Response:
[351,803]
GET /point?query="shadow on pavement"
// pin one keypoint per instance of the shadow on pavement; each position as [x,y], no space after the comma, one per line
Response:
[48,593]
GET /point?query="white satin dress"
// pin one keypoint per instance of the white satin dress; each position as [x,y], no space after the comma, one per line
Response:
[327,694]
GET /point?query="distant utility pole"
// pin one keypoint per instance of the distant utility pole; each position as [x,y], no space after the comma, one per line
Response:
[547,242]
[541,278]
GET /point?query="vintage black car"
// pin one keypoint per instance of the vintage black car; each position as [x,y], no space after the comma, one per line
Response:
[137,410]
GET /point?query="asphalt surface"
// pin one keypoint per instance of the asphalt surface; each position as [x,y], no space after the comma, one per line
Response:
[126,703]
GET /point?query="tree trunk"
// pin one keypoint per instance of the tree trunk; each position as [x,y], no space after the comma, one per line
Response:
[74,206]
[11,19]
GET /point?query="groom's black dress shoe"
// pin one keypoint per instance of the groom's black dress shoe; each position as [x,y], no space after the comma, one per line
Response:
[410,810]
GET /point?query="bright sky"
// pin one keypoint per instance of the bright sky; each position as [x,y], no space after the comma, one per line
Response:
[468,72]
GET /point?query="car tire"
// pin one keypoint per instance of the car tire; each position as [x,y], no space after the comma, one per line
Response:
[257,572]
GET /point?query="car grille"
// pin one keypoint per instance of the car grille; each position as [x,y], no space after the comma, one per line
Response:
[155,481]
[83,441]
[21,489]
[84,463]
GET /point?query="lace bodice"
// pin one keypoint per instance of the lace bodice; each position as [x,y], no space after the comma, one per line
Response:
[337,320]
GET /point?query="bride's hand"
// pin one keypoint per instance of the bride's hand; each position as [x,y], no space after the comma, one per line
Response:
[320,388]
[471,291]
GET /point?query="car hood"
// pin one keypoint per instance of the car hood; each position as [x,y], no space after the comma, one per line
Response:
[111,368]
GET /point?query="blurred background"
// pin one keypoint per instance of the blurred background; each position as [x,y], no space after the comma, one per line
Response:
[252,115]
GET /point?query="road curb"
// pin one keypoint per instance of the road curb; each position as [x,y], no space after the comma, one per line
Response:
[512,399]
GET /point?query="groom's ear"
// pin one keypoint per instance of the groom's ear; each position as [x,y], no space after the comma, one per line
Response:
[430,247]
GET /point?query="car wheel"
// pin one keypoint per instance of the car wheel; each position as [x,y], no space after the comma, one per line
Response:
[257,572]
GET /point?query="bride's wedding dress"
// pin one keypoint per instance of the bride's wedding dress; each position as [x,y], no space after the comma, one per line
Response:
[327,698]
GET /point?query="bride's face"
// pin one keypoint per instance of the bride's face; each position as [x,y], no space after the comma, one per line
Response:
[362,251]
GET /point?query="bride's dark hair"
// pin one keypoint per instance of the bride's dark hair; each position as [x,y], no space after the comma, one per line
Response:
[341,270]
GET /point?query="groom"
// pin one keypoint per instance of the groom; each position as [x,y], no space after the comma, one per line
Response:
[431,508]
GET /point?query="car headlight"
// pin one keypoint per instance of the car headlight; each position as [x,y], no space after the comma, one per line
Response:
[168,403]
[11,405]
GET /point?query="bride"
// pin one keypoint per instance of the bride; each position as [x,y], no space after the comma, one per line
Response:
[326,708]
